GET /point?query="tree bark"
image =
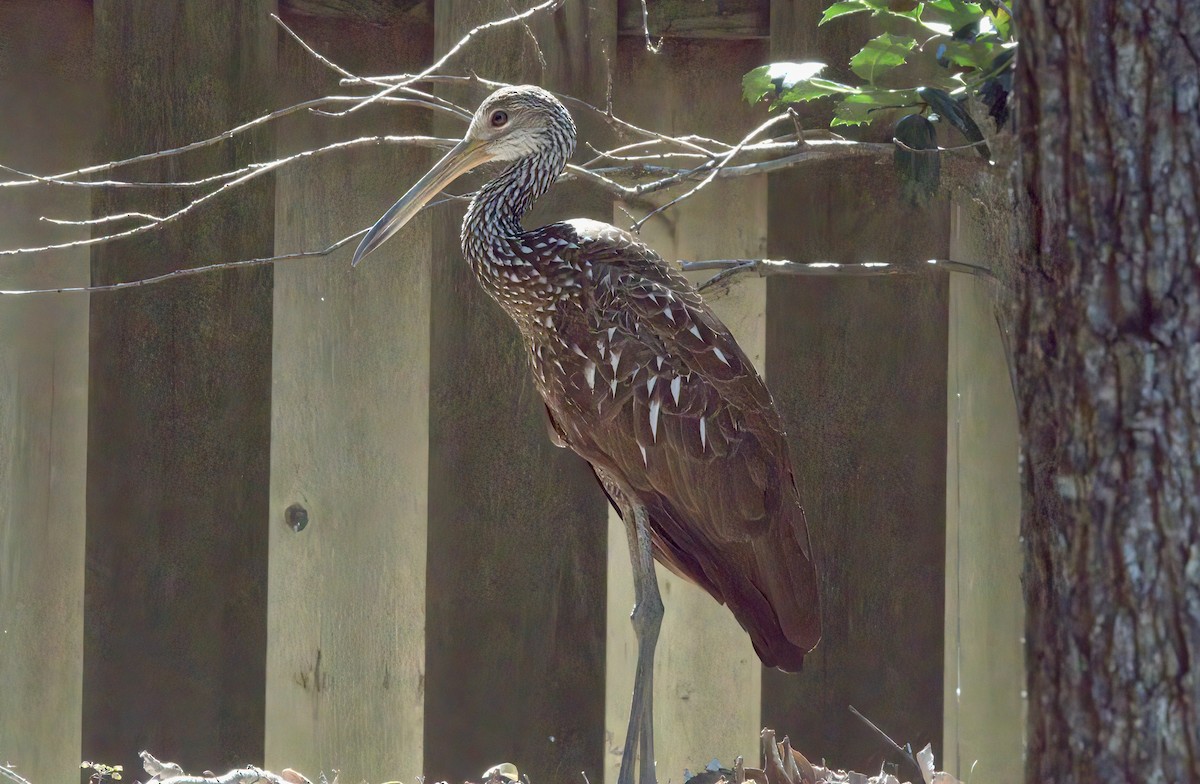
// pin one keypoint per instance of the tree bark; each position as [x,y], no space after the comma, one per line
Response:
[1108,356]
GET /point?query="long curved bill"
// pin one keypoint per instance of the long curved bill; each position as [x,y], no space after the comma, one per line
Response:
[465,155]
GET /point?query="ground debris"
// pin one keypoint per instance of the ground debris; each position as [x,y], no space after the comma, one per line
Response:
[785,765]
[782,764]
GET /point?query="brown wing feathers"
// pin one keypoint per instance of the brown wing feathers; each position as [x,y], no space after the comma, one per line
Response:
[693,434]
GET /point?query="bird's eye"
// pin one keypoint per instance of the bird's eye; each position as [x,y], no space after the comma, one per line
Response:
[499,119]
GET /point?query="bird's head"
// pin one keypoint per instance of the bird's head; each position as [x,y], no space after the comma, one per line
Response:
[512,123]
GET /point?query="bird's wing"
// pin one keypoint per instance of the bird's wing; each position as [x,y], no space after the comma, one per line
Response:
[676,411]
[695,399]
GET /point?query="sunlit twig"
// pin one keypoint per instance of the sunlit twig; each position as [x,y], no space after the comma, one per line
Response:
[188,272]
[720,164]
[545,5]
[650,45]
[251,172]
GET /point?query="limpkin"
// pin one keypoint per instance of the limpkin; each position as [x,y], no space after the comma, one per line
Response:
[645,383]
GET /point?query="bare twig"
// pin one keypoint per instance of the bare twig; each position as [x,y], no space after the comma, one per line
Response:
[62,177]
[725,159]
[956,148]
[650,45]
[905,752]
[607,114]
[730,268]
[537,47]
[10,774]
[188,272]
[545,5]
[424,97]
[617,153]
[322,59]
[795,115]
[250,172]
[102,219]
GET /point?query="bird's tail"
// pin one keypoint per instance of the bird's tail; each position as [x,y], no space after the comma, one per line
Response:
[785,576]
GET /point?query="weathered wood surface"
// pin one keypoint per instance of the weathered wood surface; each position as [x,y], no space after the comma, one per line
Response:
[350,433]
[984,659]
[858,368]
[735,19]
[707,676]
[179,407]
[378,13]
[517,553]
[46,126]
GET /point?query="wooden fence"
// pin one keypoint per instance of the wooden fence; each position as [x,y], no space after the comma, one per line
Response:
[458,593]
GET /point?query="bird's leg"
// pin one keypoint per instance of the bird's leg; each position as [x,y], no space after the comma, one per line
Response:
[647,619]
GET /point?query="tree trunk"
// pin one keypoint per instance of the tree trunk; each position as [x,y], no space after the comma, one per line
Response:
[1108,355]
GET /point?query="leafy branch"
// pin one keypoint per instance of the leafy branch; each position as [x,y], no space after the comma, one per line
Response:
[932,58]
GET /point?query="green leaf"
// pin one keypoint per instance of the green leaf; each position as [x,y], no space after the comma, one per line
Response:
[1003,24]
[812,89]
[969,54]
[940,28]
[910,9]
[919,171]
[853,113]
[946,105]
[866,106]
[881,54]
[756,84]
[955,13]
[777,78]
[842,9]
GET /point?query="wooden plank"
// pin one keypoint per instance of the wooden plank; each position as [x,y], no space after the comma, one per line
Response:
[48,109]
[380,13]
[858,368]
[984,658]
[707,676]
[736,19]
[350,431]
[517,528]
[179,400]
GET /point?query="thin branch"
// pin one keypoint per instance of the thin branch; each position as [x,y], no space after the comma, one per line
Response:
[730,268]
[426,98]
[12,775]
[188,272]
[62,178]
[650,46]
[537,47]
[725,159]
[255,170]
[615,154]
[604,177]
[956,148]
[570,100]
[454,50]
[102,219]
[906,752]
[129,284]
[322,59]
[34,179]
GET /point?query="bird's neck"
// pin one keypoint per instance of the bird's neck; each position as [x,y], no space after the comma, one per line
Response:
[496,211]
